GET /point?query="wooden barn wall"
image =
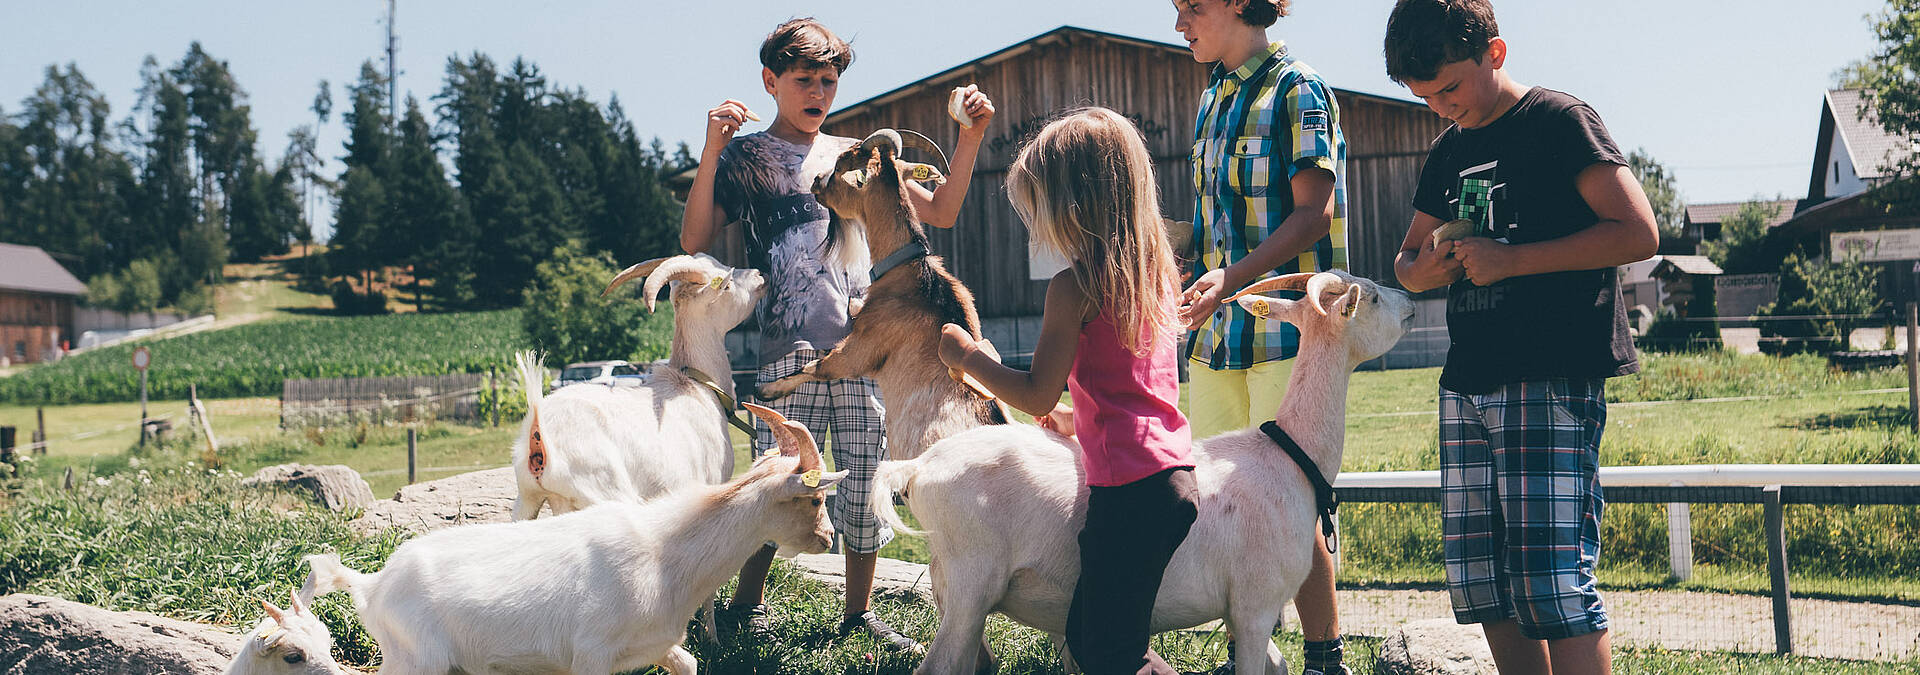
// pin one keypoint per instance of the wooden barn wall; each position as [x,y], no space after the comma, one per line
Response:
[32,324]
[1159,89]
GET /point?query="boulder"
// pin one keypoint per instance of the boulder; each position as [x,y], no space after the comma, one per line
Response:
[335,486]
[1435,647]
[895,578]
[40,635]
[465,499]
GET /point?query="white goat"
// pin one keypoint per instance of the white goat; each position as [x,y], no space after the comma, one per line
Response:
[1001,505]
[287,642]
[607,589]
[590,444]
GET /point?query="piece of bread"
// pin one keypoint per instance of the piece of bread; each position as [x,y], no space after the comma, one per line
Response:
[1452,230]
[957,107]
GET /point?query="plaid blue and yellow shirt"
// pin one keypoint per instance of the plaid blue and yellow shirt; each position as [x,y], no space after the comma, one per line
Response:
[1270,115]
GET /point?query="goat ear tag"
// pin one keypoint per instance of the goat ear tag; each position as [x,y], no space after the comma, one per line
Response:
[775,452]
[1258,308]
[811,478]
[922,172]
[266,633]
[716,282]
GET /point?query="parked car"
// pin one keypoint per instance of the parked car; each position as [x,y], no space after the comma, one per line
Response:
[613,373]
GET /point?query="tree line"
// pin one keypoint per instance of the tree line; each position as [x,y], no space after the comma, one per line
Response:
[149,207]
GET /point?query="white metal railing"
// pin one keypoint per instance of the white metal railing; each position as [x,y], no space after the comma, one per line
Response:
[1699,475]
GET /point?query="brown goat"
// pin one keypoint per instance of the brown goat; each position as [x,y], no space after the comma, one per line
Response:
[895,336]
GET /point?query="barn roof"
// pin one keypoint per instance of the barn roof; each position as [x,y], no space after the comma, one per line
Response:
[1718,212]
[27,268]
[1685,264]
[1056,35]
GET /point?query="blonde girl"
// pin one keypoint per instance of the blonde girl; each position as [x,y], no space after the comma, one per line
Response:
[1084,187]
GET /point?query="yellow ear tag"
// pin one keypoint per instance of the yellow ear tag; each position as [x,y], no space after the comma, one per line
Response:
[266,633]
[919,172]
[716,282]
[811,478]
[1258,308]
[775,452]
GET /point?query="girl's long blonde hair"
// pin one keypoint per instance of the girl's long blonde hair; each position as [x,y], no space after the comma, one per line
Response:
[1084,186]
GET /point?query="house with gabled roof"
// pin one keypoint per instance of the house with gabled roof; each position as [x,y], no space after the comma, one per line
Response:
[36,304]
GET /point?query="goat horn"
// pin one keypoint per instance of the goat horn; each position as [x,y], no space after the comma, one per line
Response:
[916,140]
[776,422]
[678,268]
[1284,282]
[631,273]
[1319,285]
[886,136]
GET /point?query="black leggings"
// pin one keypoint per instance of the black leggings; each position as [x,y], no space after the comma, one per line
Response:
[1131,533]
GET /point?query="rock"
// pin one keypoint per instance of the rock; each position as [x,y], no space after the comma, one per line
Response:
[335,486]
[1435,647]
[40,635]
[478,497]
[890,577]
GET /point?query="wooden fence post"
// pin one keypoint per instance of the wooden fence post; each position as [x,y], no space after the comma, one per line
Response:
[412,453]
[6,451]
[1913,363]
[66,482]
[40,430]
[1777,568]
[493,383]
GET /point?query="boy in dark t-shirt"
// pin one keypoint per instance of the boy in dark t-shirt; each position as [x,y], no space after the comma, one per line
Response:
[1536,326]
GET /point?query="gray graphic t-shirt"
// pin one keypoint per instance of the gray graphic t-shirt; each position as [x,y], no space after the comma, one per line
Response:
[766,183]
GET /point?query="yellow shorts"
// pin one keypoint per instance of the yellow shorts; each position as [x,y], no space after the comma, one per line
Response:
[1219,401]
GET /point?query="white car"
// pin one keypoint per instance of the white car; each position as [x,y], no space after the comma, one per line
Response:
[613,373]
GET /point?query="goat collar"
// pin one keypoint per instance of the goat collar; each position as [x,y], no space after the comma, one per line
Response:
[1325,501]
[914,250]
[726,402]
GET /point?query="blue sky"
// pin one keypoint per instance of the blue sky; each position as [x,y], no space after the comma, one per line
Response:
[1726,94]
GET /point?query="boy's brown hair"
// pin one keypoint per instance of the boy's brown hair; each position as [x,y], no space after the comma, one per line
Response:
[1423,35]
[1263,13]
[806,43]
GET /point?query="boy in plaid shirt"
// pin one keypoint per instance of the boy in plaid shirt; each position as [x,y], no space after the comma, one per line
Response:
[1536,325]
[1269,168]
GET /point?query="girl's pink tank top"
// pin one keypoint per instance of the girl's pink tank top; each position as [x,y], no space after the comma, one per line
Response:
[1126,411]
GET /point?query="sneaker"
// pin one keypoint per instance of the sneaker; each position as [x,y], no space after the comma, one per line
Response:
[878,628]
[750,621]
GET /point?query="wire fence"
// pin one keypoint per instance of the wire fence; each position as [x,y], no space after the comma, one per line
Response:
[382,399]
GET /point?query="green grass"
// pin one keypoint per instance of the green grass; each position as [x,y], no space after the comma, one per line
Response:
[265,290]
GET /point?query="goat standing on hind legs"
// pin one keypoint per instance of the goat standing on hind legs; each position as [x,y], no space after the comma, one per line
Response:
[1001,505]
[896,336]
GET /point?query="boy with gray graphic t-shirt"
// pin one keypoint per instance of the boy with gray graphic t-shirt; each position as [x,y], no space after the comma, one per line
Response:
[763,182]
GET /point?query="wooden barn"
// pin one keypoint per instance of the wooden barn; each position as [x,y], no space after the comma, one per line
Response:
[1158,85]
[36,304]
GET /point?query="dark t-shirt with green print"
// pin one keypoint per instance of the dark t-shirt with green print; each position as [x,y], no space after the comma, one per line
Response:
[1516,180]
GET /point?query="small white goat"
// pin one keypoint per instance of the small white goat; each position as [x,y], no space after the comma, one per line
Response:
[590,444]
[607,589]
[287,642]
[1001,505]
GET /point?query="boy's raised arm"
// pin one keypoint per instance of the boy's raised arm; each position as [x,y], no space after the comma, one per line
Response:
[702,218]
[941,207]
[1625,233]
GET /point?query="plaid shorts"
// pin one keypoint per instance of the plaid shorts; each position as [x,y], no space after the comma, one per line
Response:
[1520,504]
[852,409]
